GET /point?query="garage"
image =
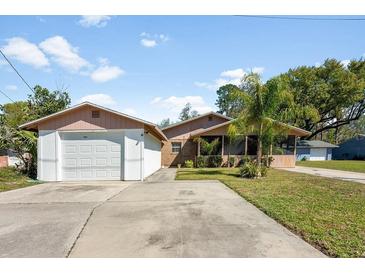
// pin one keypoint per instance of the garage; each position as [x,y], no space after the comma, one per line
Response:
[318,154]
[91,155]
[89,142]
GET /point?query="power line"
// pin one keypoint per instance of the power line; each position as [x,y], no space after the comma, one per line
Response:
[17,72]
[6,96]
[301,18]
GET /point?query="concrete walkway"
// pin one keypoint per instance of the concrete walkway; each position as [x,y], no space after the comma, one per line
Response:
[163,175]
[330,173]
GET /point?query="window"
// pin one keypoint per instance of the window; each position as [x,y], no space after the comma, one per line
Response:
[95,114]
[176,147]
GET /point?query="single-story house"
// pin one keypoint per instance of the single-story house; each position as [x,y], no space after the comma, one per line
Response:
[352,149]
[91,142]
[314,150]
[182,145]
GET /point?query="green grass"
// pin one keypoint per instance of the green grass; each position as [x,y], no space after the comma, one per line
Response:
[356,166]
[11,179]
[327,213]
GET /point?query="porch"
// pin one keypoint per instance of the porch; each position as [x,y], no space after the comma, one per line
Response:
[283,152]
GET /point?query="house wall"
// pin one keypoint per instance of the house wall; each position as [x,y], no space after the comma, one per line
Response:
[188,152]
[353,148]
[80,119]
[152,154]
[48,156]
[3,161]
[133,155]
[283,161]
[303,152]
[184,130]
[329,154]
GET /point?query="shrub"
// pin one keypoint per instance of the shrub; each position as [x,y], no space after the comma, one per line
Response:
[200,162]
[189,164]
[264,170]
[215,161]
[249,170]
[304,159]
[231,161]
[244,160]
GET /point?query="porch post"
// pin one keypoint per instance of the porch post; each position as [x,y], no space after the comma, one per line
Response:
[246,145]
[199,146]
[222,145]
[295,146]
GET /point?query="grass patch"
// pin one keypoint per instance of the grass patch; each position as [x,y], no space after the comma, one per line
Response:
[327,213]
[355,166]
[11,178]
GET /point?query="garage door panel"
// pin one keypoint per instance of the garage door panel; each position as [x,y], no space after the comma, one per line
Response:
[318,154]
[91,156]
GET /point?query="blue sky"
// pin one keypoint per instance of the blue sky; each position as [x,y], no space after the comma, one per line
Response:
[150,66]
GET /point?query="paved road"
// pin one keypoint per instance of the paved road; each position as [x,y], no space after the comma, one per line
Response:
[151,219]
[330,173]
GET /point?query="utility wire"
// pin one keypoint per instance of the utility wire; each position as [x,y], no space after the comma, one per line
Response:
[6,96]
[301,18]
[17,72]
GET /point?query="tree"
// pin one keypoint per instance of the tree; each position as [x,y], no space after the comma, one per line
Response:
[43,102]
[326,97]
[24,143]
[230,101]
[262,104]
[187,113]
[164,123]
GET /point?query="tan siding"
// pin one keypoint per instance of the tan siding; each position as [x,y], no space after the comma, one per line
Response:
[184,130]
[80,119]
[283,161]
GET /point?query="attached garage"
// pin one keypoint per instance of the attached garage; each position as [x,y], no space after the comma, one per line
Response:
[314,150]
[90,142]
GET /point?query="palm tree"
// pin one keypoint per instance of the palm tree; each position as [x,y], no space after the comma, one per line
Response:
[263,107]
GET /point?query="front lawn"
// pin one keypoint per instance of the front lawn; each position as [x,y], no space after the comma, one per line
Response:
[356,166]
[327,213]
[11,179]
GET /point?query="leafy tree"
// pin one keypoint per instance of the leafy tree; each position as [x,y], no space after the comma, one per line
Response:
[262,104]
[43,102]
[230,100]
[164,123]
[326,97]
[24,143]
[187,113]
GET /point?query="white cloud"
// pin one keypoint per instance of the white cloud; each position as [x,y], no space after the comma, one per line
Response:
[25,52]
[258,70]
[233,77]
[345,63]
[235,73]
[129,111]
[317,64]
[148,43]
[156,100]
[99,98]
[105,72]
[63,53]
[152,40]
[98,21]
[11,87]
[175,104]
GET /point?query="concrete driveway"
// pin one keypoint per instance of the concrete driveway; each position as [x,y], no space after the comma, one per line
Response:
[151,219]
[330,173]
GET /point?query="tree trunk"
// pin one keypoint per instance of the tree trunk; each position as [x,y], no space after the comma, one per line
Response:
[259,145]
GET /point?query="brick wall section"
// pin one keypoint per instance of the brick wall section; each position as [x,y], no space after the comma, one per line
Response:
[188,152]
[3,161]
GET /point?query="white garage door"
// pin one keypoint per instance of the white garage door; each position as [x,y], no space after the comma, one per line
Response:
[91,156]
[318,154]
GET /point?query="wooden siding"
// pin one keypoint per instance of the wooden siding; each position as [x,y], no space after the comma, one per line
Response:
[80,119]
[283,161]
[184,130]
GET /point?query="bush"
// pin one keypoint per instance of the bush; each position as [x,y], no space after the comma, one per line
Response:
[249,170]
[200,162]
[245,159]
[267,160]
[304,159]
[215,161]
[189,164]
[231,161]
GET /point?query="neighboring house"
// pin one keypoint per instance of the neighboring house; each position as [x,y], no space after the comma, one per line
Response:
[181,145]
[90,142]
[314,150]
[351,149]
[8,158]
